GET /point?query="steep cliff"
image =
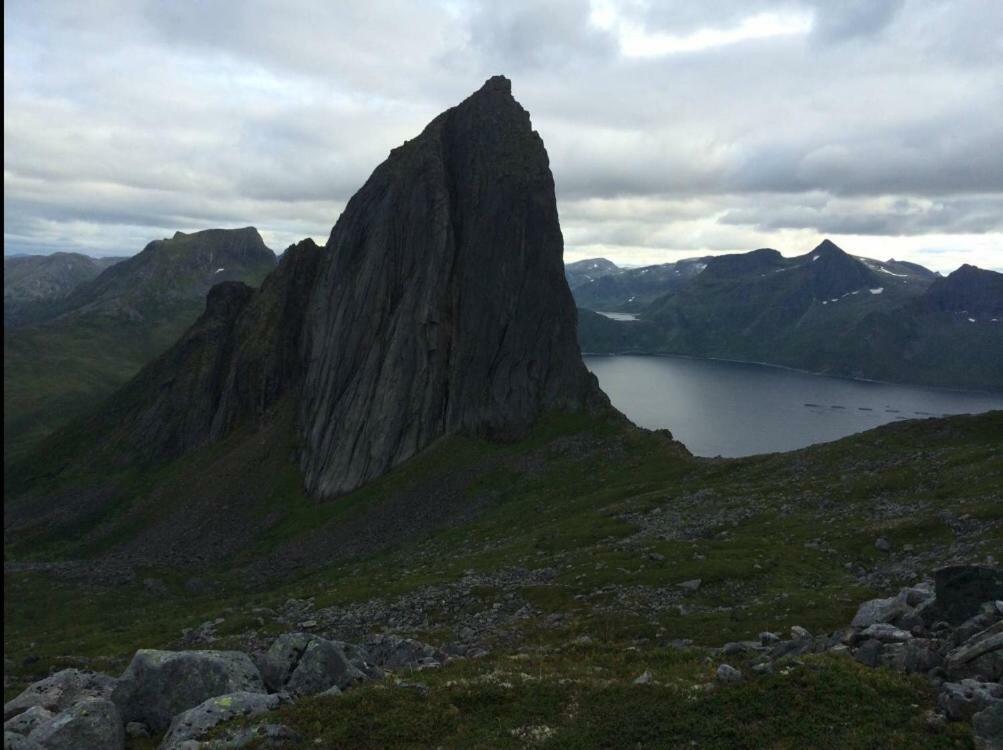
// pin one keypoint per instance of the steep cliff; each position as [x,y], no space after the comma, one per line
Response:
[442,306]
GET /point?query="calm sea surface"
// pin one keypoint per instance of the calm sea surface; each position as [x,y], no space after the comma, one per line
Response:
[729,409]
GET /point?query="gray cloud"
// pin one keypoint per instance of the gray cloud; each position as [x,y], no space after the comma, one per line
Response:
[879,124]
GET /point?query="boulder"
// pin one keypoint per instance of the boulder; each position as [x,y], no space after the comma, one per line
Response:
[306,664]
[886,633]
[195,723]
[922,655]
[728,673]
[158,685]
[15,741]
[394,652]
[987,726]
[88,723]
[878,610]
[59,691]
[961,590]
[961,700]
[981,655]
[24,722]
[869,653]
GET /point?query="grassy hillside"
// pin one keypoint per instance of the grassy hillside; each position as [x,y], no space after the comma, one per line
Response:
[560,556]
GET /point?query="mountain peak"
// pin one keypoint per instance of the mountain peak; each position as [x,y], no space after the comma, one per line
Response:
[828,247]
[495,85]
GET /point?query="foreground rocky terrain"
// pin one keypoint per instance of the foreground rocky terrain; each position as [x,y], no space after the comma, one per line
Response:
[597,557]
[950,632]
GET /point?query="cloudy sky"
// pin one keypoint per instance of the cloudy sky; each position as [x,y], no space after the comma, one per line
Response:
[675,128]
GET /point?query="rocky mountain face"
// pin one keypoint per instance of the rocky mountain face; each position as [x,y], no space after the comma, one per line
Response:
[31,283]
[442,305]
[439,306]
[81,347]
[233,364]
[969,290]
[825,311]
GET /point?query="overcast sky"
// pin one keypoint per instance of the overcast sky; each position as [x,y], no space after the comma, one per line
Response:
[674,128]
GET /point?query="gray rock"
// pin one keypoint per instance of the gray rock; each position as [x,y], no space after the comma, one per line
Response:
[961,591]
[740,647]
[987,726]
[88,723]
[195,723]
[768,639]
[25,722]
[981,655]
[690,586]
[882,545]
[878,610]
[306,664]
[15,741]
[644,679]
[261,736]
[798,633]
[137,729]
[59,691]
[922,655]
[394,652]
[913,596]
[961,700]
[869,653]
[886,633]
[158,685]
[727,673]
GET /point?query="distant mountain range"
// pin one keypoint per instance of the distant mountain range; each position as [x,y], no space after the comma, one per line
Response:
[79,331]
[825,311]
[31,283]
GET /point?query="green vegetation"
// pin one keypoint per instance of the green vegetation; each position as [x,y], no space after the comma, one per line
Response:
[584,698]
[620,517]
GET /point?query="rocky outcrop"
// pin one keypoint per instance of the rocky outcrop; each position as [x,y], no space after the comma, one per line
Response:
[88,723]
[158,685]
[951,632]
[305,664]
[59,691]
[195,723]
[442,305]
[189,694]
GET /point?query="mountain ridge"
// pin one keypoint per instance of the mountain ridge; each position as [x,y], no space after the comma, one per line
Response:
[824,311]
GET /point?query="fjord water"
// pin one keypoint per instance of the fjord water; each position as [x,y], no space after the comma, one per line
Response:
[732,409]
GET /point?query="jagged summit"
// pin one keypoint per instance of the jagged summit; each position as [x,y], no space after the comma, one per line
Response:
[829,247]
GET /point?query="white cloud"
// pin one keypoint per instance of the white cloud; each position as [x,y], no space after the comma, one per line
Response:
[673,127]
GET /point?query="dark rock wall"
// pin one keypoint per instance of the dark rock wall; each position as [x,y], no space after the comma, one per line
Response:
[442,306]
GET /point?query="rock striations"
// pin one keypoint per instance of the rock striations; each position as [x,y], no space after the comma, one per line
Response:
[439,306]
[442,305]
